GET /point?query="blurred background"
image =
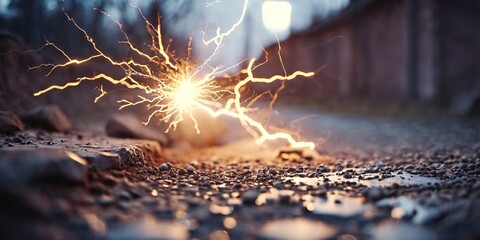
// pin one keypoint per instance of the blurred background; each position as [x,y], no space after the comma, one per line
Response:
[388,54]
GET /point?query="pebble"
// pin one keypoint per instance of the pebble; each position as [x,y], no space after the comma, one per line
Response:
[308,157]
[165,166]
[124,195]
[278,185]
[190,169]
[250,196]
[124,206]
[105,201]
[322,169]
[136,193]
[182,171]
[374,193]
[378,164]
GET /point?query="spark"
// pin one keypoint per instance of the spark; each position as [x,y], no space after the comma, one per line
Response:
[102,94]
[174,88]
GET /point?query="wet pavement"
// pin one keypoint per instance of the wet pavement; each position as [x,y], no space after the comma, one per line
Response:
[372,178]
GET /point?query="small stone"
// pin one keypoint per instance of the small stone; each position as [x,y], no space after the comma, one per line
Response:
[308,157]
[378,164]
[190,169]
[181,171]
[250,196]
[273,172]
[322,169]
[165,166]
[347,175]
[125,206]
[136,193]
[10,123]
[50,118]
[124,195]
[105,201]
[278,185]
[373,193]
[237,185]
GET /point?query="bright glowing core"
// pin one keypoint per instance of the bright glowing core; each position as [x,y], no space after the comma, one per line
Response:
[276,15]
[186,95]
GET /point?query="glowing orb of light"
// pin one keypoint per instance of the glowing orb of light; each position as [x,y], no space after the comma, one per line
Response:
[276,15]
[186,95]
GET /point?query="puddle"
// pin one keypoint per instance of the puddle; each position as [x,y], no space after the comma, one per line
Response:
[340,204]
[369,179]
[404,207]
[148,228]
[399,231]
[275,195]
[335,204]
[296,228]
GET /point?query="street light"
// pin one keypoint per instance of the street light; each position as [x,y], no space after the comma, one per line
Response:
[276,15]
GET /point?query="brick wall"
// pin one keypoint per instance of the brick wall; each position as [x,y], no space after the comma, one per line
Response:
[364,52]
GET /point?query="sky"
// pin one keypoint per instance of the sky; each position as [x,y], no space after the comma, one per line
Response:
[248,40]
[252,36]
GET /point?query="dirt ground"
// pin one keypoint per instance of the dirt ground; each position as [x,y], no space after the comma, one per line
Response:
[369,178]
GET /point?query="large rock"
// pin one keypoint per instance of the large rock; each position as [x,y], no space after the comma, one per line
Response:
[144,151]
[128,126]
[102,160]
[26,174]
[20,167]
[10,123]
[110,153]
[50,118]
